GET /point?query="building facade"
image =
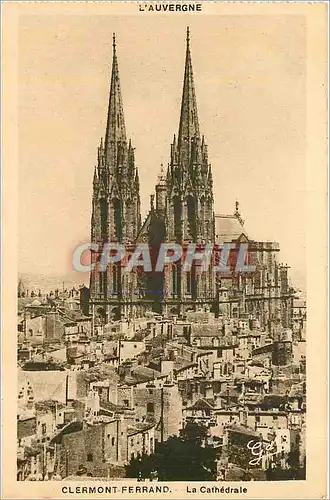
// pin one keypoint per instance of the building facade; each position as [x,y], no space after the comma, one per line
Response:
[181,212]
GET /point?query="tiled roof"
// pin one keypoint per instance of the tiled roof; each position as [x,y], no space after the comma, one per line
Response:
[139,427]
[202,404]
[204,330]
[73,426]
[143,373]
[107,405]
[185,367]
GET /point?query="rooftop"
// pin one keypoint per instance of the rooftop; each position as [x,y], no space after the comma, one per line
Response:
[228,228]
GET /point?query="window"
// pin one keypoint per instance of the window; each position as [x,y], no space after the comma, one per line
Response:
[177,211]
[258,419]
[175,279]
[132,442]
[188,289]
[126,402]
[104,217]
[150,408]
[295,419]
[43,428]
[115,279]
[117,218]
[191,209]
[89,457]
[113,441]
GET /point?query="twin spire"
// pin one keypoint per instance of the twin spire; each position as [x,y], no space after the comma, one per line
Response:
[188,126]
[116,130]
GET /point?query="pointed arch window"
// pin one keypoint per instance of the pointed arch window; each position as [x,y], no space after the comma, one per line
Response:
[191,212]
[130,219]
[117,218]
[104,218]
[177,215]
[115,278]
[175,280]
[188,278]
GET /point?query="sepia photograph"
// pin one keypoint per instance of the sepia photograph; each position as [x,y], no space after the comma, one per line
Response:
[162,250]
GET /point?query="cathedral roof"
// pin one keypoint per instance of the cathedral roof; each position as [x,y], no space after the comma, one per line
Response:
[228,228]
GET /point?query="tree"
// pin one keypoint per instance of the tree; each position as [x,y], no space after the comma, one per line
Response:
[184,458]
[195,432]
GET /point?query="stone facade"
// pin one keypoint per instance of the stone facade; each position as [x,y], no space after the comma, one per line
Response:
[183,213]
[115,207]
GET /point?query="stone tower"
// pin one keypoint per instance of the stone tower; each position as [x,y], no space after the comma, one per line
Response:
[115,208]
[189,214]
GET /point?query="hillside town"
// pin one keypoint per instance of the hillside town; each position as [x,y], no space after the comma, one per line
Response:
[111,375]
[89,402]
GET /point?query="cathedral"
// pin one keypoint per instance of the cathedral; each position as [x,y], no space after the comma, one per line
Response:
[181,211]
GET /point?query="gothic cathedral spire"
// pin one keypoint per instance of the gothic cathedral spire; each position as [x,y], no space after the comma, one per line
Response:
[190,192]
[116,130]
[116,204]
[189,126]
[189,205]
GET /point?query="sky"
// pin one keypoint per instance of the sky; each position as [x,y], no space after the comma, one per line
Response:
[250,80]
